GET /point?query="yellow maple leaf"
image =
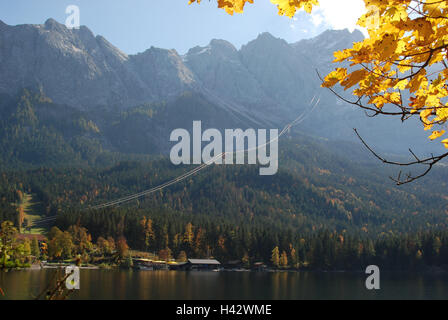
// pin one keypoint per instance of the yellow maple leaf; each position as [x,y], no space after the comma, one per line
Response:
[334,77]
[436,134]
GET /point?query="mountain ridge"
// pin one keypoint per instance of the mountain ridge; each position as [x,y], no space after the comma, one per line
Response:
[132,78]
[268,81]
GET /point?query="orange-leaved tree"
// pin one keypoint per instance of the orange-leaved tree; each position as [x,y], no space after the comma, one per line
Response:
[400,69]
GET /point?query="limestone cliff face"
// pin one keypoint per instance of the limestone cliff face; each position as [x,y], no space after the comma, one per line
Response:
[74,67]
[219,68]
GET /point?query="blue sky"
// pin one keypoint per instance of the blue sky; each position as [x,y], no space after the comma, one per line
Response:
[135,25]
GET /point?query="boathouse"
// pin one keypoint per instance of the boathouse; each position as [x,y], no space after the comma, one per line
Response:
[203,264]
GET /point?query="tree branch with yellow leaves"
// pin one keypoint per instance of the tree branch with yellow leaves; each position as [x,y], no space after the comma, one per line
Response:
[404,55]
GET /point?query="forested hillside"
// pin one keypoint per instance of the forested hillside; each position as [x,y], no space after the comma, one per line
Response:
[330,206]
[332,219]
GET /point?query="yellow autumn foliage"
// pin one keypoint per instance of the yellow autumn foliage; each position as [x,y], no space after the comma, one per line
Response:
[405,51]
[285,7]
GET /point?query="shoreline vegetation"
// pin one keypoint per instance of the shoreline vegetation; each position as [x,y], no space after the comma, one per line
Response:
[74,246]
[427,270]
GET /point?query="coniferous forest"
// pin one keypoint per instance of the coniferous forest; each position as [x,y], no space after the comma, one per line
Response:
[329,207]
[231,213]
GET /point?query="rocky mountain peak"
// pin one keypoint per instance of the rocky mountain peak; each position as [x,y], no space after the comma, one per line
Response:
[266,39]
[332,39]
[222,45]
[52,23]
[219,49]
[266,36]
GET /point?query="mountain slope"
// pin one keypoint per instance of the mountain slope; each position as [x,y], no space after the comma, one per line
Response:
[267,83]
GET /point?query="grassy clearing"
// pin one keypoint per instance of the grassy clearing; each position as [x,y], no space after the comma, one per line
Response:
[32,214]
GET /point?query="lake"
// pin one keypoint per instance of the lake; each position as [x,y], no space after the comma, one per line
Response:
[121,284]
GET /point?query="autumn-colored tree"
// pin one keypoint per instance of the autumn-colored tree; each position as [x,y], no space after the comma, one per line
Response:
[400,69]
[44,250]
[165,254]
[275,257]
[111,245]
[418,255]
[294,257]
[165,237]
[182,257]
[60,245]
[284,259]
[8,235]
[189,235]
[222,243]
[148,233]
[221,247]
[177,240]
[198,242]
[104,246]
[22,252]
[81,239]
[122,248]
[436,244]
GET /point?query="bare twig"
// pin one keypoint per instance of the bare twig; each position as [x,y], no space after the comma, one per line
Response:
[428,162]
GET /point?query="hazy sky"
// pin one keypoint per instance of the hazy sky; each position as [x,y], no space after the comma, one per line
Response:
[136,25]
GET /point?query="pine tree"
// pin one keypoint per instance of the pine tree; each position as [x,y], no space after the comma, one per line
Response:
[35,248]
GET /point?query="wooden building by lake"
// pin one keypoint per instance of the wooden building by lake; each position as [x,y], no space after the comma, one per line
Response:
[203,264]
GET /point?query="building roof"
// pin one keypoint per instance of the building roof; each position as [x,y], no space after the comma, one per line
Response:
[204,261]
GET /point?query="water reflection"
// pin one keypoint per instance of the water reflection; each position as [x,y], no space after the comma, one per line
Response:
[152,285]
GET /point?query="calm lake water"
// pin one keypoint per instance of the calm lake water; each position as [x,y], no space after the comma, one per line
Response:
[117,284]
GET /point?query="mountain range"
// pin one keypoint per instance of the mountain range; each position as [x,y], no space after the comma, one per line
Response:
[77,68]
[266,83]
